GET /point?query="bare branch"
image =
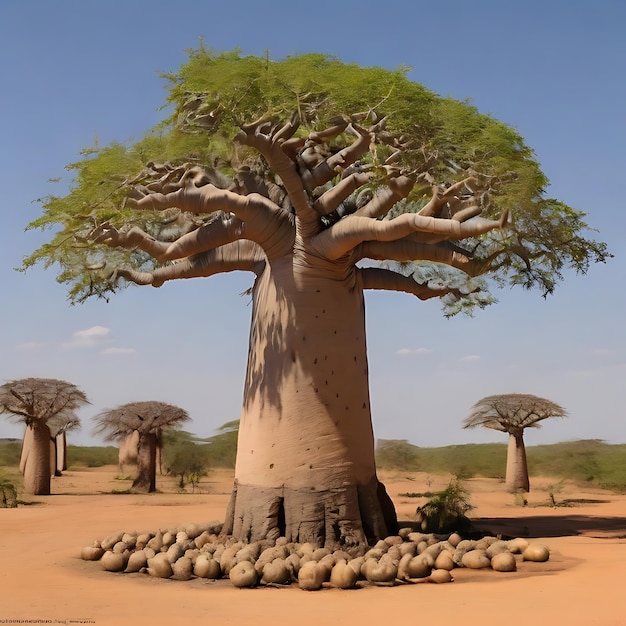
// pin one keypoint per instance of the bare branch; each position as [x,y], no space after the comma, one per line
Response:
[388,280]
[238,255]
[354,230]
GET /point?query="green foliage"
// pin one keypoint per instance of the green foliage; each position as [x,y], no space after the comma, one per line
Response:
[91,456]
[213,93]
[462,461]
[447,510]
[222,450]
[10,452]
[8,493]
[186,457]
[587,461]
[591,461]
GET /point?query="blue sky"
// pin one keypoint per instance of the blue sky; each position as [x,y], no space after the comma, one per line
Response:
[77,71]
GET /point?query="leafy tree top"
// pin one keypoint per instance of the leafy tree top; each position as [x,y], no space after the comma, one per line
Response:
[43,400]
[436,141]
[512,412]
[150,417]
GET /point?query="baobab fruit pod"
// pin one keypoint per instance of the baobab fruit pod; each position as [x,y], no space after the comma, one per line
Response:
[503,562]
[108,542]
[202,539]
[276,573]
[408,547]
[113,561]
[91,553]
[194,530]
[454,539]
[306,549]
[417,567]
[159,566]
[496,548]
[444,561]
[207,567]
[536,552]
[475,559]
[156,543]
[311,576]
[243,575]
[517,546]
[293,565]
[356,564]
[343,576]
[383,571]
[227,558]
[136,561]
[182,569]
[326,564]
[440,576]
[174,552]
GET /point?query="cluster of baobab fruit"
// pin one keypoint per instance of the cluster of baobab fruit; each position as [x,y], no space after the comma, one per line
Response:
[199,551]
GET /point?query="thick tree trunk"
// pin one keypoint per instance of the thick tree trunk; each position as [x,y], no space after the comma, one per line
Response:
[54,470]
[516,464]
[145,482]
[305,459]
[127,454]
[35,460]
[61,452]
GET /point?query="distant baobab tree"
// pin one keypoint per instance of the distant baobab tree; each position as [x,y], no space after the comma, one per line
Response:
[45,405]
[512,413]
[149,420]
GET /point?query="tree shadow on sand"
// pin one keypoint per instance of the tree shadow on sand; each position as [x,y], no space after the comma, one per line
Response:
[601,527]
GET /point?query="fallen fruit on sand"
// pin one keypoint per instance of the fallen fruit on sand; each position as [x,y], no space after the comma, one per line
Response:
[200,551]
[536,552]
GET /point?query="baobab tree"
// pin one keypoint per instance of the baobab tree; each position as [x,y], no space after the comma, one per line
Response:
[339,180]
[44,405]
[149,420]
[512,413]
[58,440]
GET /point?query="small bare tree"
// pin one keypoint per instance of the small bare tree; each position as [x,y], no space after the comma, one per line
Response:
[511,413]
[44,405]
[149,419]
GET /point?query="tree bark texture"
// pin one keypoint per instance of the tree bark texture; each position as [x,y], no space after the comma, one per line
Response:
[516,464]
[127,454]
[145,482]
[35,459]
[305,461]
[61,451]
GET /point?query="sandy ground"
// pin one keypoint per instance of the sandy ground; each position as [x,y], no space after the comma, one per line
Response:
[43,579]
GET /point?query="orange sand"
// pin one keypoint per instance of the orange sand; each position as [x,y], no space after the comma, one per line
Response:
[43,579]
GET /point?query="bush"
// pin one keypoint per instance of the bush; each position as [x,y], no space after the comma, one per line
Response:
[185,457]
[8,494]
[446,511]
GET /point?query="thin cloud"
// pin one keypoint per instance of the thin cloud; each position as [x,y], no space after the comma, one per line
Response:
[30,346]
[118,351]
[469,358]
[90,338]
[404,351]
[600,352]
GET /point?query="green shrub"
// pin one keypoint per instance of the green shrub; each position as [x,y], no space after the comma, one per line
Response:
[185,457]
[91,456]
[8,494]
[10,452]
[446,511]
